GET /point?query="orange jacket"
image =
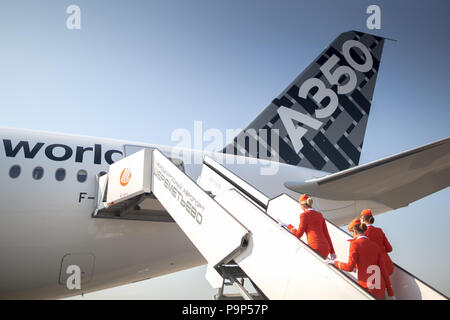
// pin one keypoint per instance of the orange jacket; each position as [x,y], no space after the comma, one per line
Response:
[315,226]
[365,253]
[377,235]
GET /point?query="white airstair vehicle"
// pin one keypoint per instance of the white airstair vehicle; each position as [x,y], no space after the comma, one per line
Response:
[236,229]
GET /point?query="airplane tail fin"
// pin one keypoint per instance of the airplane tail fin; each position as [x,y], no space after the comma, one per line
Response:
[319,120]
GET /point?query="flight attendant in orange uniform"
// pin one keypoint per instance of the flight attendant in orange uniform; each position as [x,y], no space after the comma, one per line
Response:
[377,235]
[367,257]
[313,223]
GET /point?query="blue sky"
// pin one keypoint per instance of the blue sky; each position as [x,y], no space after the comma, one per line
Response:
[151,67]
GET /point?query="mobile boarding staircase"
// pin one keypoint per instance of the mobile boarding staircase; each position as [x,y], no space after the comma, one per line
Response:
[235,228]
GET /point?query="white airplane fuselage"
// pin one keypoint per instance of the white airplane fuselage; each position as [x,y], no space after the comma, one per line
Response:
[44,220]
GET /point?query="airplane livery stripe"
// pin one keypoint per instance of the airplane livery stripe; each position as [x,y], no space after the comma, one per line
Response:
[349,149]
[312,155]
[330,151]
[351,109]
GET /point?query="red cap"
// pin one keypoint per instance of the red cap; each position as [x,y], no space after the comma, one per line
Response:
[353,223]
[303,198]
[366,212]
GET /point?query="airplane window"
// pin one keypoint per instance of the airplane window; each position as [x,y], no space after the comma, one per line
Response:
[101,173]
[38,172]
[81,175]
[60,174]
[14,172]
